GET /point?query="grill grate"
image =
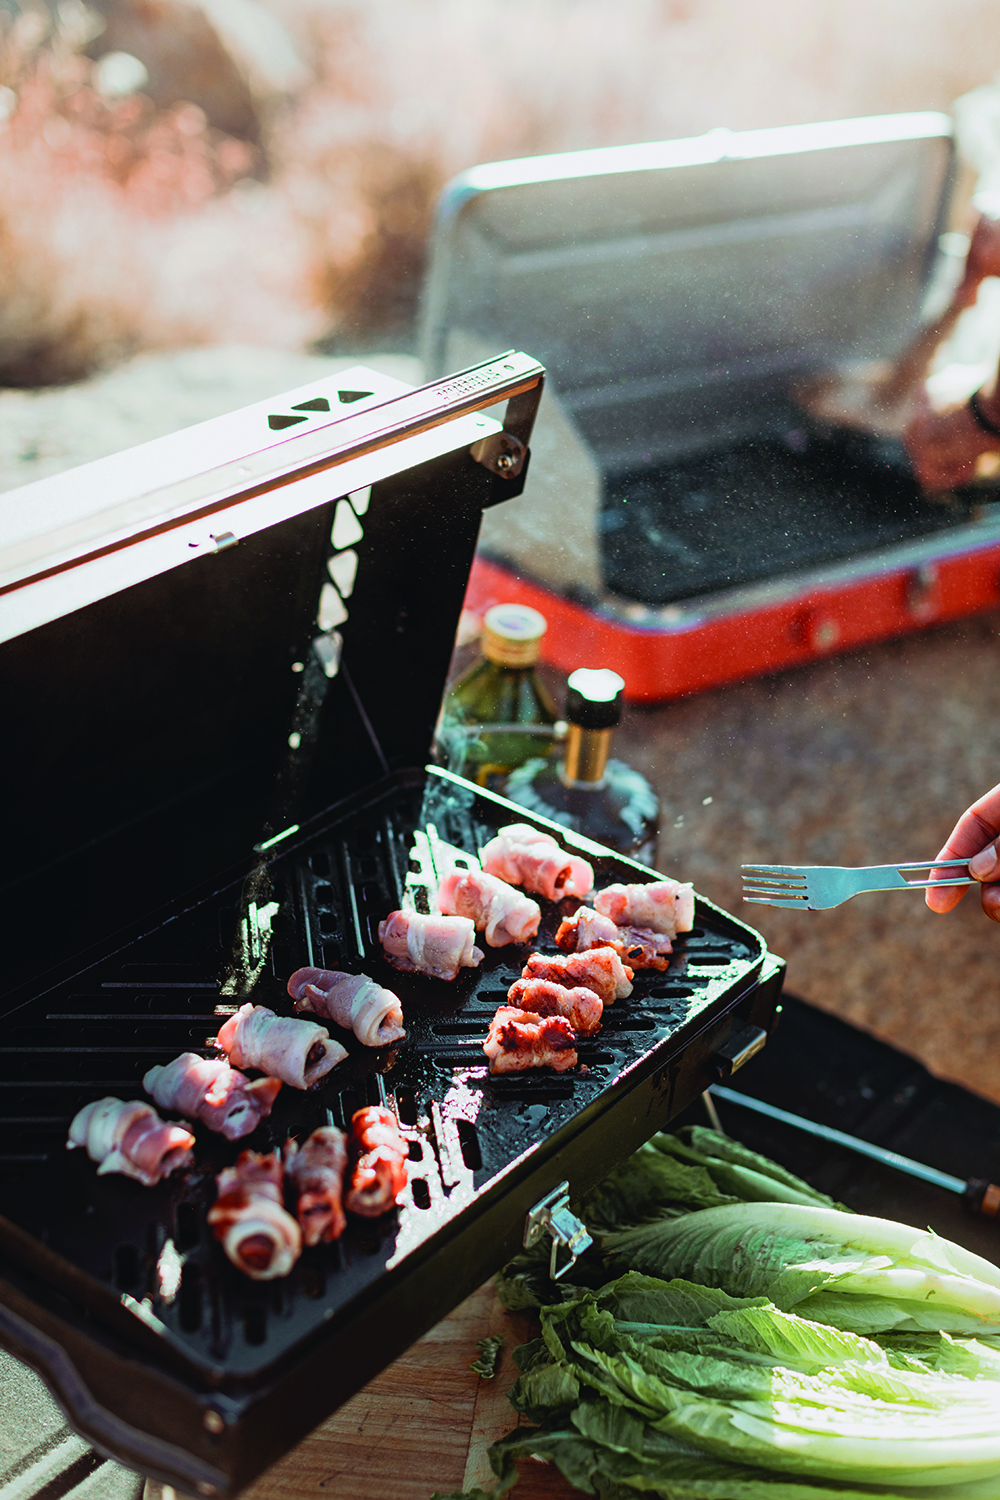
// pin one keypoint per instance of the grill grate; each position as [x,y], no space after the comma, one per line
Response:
[111,1243]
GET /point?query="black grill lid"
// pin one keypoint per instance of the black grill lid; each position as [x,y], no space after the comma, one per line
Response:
[181,622]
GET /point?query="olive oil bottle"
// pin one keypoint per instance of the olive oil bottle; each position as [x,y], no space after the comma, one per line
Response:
[602,798]
[499,714]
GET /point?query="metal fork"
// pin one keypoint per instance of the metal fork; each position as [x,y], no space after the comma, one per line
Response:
[815,887]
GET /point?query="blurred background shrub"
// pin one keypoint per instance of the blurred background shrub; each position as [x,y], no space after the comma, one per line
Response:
[264,171]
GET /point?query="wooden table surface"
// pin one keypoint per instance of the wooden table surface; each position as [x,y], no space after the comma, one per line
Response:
[423,1425]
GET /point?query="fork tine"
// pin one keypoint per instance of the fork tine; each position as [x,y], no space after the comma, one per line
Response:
[774,901]
[770,888]
[793,887]
[795,870]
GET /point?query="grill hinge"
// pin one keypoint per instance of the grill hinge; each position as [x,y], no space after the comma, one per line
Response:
[552,1215]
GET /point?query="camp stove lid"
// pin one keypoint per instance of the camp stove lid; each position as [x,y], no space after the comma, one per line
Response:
[689,280]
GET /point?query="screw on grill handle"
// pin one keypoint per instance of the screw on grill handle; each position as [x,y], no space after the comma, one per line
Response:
[552,1215]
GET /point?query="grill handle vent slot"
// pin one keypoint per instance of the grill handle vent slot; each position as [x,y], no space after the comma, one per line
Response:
[552,1215]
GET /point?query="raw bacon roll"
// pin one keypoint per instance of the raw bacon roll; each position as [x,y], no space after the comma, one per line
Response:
[259,1236]
[379,1172]
[517,1039]
[639,946]
[317,1170]
[585,929]
[665,906]
[353,1001]
[581,1007]
[434,945]
[209,1090]
[128,1136]
[598,969]
[644,948]
[297,1052]
[503,914]
[522,855]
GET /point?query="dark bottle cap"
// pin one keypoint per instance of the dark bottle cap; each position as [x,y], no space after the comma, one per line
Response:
[593,698]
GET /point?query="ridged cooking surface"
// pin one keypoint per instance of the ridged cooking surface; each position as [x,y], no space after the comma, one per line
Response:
[98,1034]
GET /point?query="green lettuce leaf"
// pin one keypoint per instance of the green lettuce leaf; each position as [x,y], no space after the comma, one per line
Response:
[856,1273]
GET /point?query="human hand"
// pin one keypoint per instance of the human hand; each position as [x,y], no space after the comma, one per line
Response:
[975,834]
[944,447]
[982,260]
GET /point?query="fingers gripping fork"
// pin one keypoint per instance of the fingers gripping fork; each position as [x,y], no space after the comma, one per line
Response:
[817,887]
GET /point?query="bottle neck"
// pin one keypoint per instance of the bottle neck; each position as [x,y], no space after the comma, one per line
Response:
[586,757]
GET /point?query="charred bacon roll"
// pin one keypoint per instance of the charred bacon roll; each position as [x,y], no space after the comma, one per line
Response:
[379,1153]
[543,997]
[128,1136]
[353,1001]
[518,1039]
[522,855]
[598,969]
[298,1052]
[501,913]
[434,945]
[209,1090]
[665,906]
[259,1236]
[317,1169]
[640,947]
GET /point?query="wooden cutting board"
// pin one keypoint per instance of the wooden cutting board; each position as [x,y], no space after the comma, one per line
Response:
[424,1424]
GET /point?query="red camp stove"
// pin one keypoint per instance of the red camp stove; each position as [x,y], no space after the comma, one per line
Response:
[691,518]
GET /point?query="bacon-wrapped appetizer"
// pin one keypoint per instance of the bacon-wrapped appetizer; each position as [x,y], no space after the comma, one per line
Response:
[518,1039]
[543,997]
[209,1090]
[257,1233]
[597,969]
[438,946]
[522,855]
[317,1169]
[353,1001]
[665,906]
[379,1172]
[128,1136]
[297,1052]
[640,947]
[501,913]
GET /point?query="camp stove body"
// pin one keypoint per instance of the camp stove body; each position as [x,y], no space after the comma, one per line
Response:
[224,653]
[682,295]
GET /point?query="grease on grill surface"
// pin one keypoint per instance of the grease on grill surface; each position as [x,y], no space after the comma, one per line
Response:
[150,1250]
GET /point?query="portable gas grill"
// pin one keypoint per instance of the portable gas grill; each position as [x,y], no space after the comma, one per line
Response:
[228,648]
[681,295]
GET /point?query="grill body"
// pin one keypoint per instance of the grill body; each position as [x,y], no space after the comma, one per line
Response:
[163,1356]
[127,1285]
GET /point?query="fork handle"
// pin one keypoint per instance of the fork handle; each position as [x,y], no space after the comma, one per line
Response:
[925,864]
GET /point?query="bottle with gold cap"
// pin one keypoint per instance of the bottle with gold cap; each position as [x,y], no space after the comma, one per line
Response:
[499,714]
[602,798]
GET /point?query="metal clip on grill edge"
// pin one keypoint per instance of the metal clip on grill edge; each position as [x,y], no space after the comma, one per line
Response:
[552,1215]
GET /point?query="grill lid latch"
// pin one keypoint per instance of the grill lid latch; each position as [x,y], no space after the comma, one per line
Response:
[552,1215]
[738,1050]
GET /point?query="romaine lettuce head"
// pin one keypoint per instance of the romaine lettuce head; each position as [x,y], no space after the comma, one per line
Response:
[860,1274]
